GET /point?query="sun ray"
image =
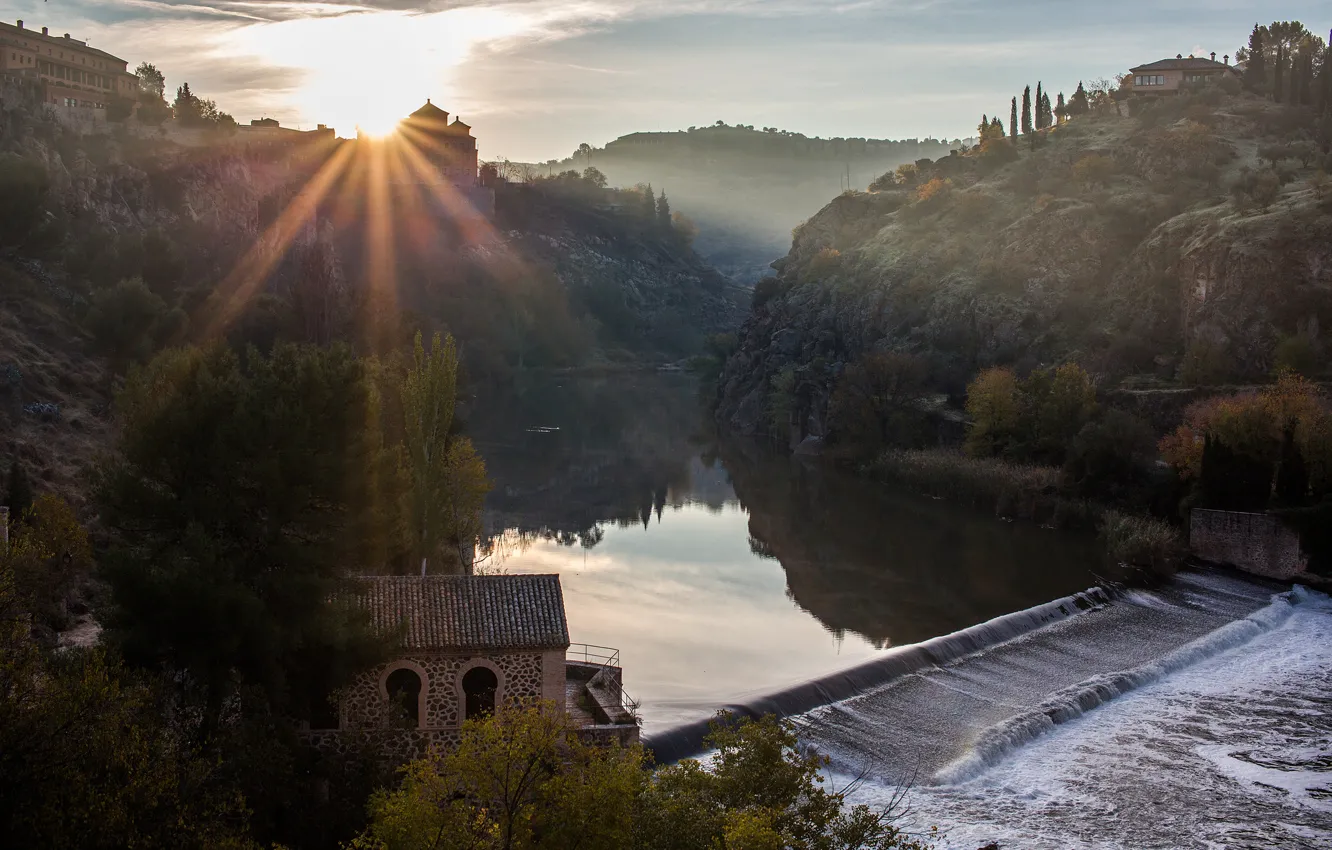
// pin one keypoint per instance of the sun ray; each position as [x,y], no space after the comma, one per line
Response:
[380,259]
[240,286]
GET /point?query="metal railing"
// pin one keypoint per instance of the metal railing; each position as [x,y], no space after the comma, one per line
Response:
[604,656]
[590,653]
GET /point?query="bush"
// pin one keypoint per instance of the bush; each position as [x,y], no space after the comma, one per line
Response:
[764,291]
[1299,352]
[1140,542]
[23,188]
[876,403]
[1256,187]
[129,321]
[1094,169]
[1206,363]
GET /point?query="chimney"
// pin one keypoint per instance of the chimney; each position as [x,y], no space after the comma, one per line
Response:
[20,23]
[1227,58]
[66,35]
[44,31]
[4,529]
[1177,55]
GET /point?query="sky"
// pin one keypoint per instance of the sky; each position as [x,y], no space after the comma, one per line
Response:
[535,78]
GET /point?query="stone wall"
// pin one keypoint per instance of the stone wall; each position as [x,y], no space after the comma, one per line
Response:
[1257,543]
[364,705]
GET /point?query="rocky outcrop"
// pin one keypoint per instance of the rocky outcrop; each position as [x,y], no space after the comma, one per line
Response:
[1113,243]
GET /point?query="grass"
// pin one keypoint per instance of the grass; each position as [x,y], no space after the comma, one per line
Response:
[1142,542]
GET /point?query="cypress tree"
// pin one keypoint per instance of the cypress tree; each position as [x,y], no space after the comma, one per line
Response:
[1026,111]
[1255,72]
[664,211]
[1077,104]
[1039,117]
[1060,110]
[1325,95]
[649,204]
[1012,122]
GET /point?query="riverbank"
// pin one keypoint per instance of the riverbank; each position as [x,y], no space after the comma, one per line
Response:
[1033,493]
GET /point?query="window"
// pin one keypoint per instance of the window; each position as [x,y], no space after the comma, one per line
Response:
[479,686]
[404,693]
[1149,80]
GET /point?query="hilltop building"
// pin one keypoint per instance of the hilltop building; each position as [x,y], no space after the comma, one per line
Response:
[73,75]
[468,645]
[449,147]
[1168,76]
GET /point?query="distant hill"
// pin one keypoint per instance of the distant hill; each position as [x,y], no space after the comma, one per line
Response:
[747,188]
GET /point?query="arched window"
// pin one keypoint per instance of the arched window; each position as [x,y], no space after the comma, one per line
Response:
[479,686]
[404,692]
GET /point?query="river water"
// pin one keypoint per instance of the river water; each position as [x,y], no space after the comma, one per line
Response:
[721,571]
[938,647]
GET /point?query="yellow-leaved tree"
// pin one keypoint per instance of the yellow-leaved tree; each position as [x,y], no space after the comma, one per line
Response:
[992,408]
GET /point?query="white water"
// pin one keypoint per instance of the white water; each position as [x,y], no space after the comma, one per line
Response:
[1225,741]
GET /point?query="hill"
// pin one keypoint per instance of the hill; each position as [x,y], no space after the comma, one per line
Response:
[1185,243]
[748,188]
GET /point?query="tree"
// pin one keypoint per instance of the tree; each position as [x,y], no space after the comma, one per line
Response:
[1255,71]
[447,477]
[152,84]
[595,177]
[585,151]
[1013,121]
[1077,104]
[876,403]
[1053,406]
[1026,111]
[1040,107]
[50,555]
[663,212]
[1111,459]
[186,107]
[521,778]
[648,210]
[18,491]
[992,411]
[226,501]
[1060,110]
[129,321]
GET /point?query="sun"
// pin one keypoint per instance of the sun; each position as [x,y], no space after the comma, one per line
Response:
[369,69]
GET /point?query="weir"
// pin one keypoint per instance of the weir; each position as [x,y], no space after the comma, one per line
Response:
[942,710]
[686,740]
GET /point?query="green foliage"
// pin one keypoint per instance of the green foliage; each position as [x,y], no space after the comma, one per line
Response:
[86,760]
[227,504]
[129,321]
[151,81]
[519,779]
[876,403]
[48,557]
[1028,420]
[23,188]
[1300,352]
[448,478]
[523,779]
[1077,104]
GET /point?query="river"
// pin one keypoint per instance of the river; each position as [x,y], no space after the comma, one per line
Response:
[721,570]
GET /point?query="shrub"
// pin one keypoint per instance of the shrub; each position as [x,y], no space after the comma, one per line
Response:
[975,207]
[876,403]
[1205,363]
[1140,542]
[1012,488]
[1229,85]
[764,291]
[1256,187]
[1094,169]
[826,262]
[23,188]
[1111,459]
[129,321]
[1299,352]
[934,192]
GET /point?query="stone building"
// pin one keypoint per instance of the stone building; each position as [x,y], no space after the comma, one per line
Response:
[1170,76]
[73,75]
[449,147]
[467,645]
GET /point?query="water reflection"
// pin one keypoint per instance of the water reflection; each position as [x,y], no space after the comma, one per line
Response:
[720,570]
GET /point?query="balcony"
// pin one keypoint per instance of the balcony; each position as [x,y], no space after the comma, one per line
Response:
[594,693]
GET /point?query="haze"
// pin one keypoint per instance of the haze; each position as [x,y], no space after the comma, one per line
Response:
[538,78]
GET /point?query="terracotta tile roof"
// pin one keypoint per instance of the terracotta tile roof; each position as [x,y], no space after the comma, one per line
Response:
[1189,64]
[469,612]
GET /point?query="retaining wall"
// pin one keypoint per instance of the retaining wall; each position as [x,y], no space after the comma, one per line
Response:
[1257,543]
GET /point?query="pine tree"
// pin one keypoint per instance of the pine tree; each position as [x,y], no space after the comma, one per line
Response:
[649,204]
[663,212]
[1255,72]
[983,126]
[1026,111]
[1013,122]
[1325,95]
[1040,107]
[1060,110]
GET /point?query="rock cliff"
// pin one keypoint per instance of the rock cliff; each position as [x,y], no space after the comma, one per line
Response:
[1112,242]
